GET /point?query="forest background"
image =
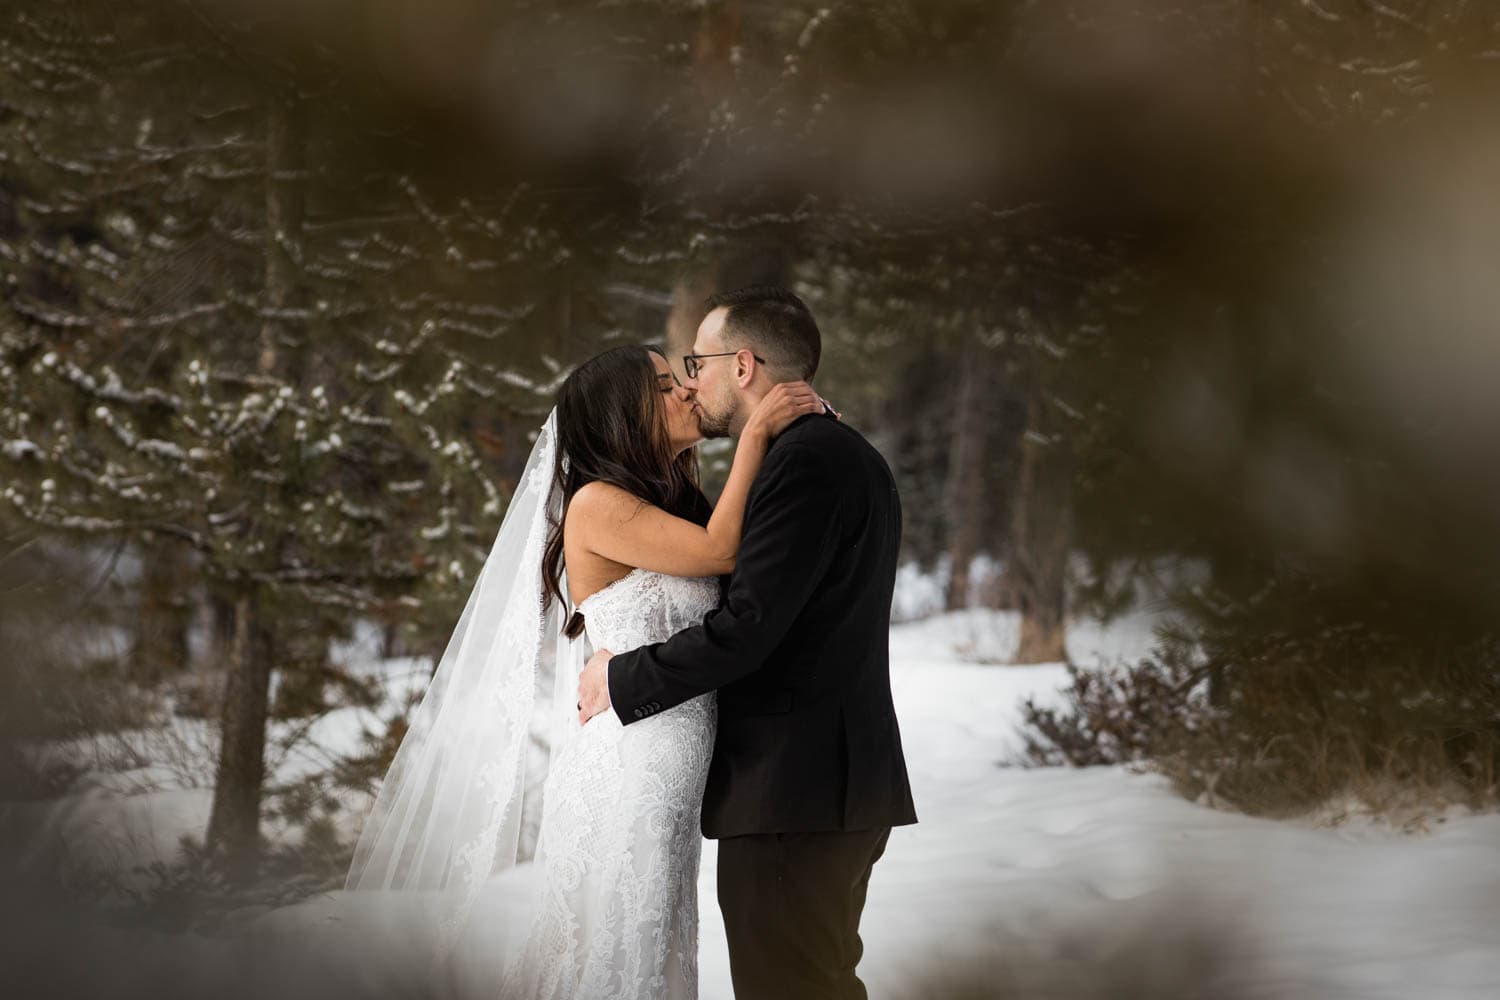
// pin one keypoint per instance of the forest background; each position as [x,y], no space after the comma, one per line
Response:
[1187,303]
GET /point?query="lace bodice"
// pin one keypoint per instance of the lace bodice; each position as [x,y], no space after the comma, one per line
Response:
[619,839]
[644,606]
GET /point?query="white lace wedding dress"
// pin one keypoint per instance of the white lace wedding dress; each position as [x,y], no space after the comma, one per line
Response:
[619,844]
[609,906]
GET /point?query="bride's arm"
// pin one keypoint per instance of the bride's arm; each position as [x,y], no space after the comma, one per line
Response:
[616,524]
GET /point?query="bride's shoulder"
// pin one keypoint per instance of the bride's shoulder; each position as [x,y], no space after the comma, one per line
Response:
[599,493]
[601,501]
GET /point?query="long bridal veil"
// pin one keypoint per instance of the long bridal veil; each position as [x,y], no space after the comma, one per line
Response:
[462,797]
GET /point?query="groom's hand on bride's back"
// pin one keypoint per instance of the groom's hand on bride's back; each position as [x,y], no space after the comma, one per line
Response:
[593,686]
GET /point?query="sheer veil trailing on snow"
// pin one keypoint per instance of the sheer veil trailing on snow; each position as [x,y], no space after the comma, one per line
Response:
[462,798]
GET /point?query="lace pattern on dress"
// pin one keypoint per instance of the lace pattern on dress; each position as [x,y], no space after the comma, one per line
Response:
[620,841]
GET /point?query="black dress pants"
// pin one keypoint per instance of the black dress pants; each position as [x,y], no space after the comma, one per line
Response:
[792,903]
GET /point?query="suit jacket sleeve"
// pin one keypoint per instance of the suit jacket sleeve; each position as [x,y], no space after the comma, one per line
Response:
[791,531]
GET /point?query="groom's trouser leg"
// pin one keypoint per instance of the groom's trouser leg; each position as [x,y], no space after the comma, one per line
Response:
[792,903]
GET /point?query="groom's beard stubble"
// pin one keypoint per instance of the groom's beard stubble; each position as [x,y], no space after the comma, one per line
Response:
[712,425]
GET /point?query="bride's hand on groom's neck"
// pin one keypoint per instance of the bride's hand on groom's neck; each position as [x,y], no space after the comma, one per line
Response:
[783,404]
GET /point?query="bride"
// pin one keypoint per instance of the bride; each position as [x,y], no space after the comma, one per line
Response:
[607,542]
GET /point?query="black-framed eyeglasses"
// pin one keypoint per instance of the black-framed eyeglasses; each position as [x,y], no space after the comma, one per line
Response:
[692,367]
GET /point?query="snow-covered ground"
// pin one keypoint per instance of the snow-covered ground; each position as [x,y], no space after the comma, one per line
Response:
[1045,882]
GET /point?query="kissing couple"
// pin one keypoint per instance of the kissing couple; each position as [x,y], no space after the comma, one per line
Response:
[635,665]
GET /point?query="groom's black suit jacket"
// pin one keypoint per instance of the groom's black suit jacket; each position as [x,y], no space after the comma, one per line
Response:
[798,650]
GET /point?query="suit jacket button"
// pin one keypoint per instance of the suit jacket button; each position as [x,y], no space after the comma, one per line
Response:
[639,713]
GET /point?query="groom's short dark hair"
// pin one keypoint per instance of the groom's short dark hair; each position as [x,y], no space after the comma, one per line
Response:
[775,324]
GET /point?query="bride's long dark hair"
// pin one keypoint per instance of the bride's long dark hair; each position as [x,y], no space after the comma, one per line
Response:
[611,427]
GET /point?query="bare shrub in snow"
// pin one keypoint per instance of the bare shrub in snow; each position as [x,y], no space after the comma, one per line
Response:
[1272,708]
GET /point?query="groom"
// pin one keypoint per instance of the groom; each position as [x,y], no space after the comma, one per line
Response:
[807,777]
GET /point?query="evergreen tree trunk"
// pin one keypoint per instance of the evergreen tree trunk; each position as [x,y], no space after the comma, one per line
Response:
[688,296]
[1005,594]
[1039,541]
[753,259]
[159,647]
[718,32]
[234,826]
[966,474]
[221,623]
[713,51]
[285,182]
